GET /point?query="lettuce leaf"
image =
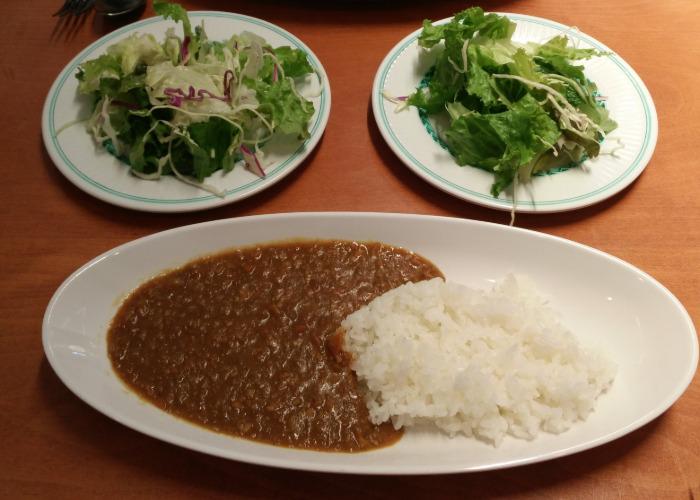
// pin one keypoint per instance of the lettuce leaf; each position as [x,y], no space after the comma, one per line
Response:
[288,112]
[137,49]
[559,46]
[213,138]
[90,73]
[295,62]
[503,142]
[175,12]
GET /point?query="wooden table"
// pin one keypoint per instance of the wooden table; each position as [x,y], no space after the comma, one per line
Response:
[54,445]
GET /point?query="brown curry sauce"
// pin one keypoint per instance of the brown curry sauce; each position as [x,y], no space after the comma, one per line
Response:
[237,342]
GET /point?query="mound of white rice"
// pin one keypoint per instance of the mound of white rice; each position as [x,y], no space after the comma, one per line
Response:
[483,363]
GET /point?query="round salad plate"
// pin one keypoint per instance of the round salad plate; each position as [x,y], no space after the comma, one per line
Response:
[97,172]
[624,153]
[606,303]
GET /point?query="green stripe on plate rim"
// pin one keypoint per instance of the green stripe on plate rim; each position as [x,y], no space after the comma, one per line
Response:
[68,72]
[549,24]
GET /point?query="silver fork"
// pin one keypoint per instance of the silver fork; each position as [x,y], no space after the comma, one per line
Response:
[74,8]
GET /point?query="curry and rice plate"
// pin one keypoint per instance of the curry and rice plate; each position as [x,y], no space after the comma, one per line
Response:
[337,345]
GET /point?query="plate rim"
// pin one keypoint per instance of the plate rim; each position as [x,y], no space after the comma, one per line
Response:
[312,464]
[204,201]
[616,185]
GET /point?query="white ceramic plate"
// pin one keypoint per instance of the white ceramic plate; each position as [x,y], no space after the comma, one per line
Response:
[98,173]
[628,100]
[606,303]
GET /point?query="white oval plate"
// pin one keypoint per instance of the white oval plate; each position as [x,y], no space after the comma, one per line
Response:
[98,173]
[628,100]
[606,302]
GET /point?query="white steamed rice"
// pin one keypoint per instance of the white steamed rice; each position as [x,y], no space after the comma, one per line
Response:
[484,363]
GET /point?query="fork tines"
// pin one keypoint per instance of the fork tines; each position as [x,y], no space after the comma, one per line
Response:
[74,7]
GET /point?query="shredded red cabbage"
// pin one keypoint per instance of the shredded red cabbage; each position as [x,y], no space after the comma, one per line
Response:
[252,162]
[177,96]
[184,50]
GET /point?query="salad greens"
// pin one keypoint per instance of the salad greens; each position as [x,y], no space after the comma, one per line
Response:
[514,109]
[189,106]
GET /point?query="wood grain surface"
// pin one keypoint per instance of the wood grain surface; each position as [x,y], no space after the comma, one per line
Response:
[53,445]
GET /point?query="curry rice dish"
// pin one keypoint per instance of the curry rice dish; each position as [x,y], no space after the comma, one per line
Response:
[242,342]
